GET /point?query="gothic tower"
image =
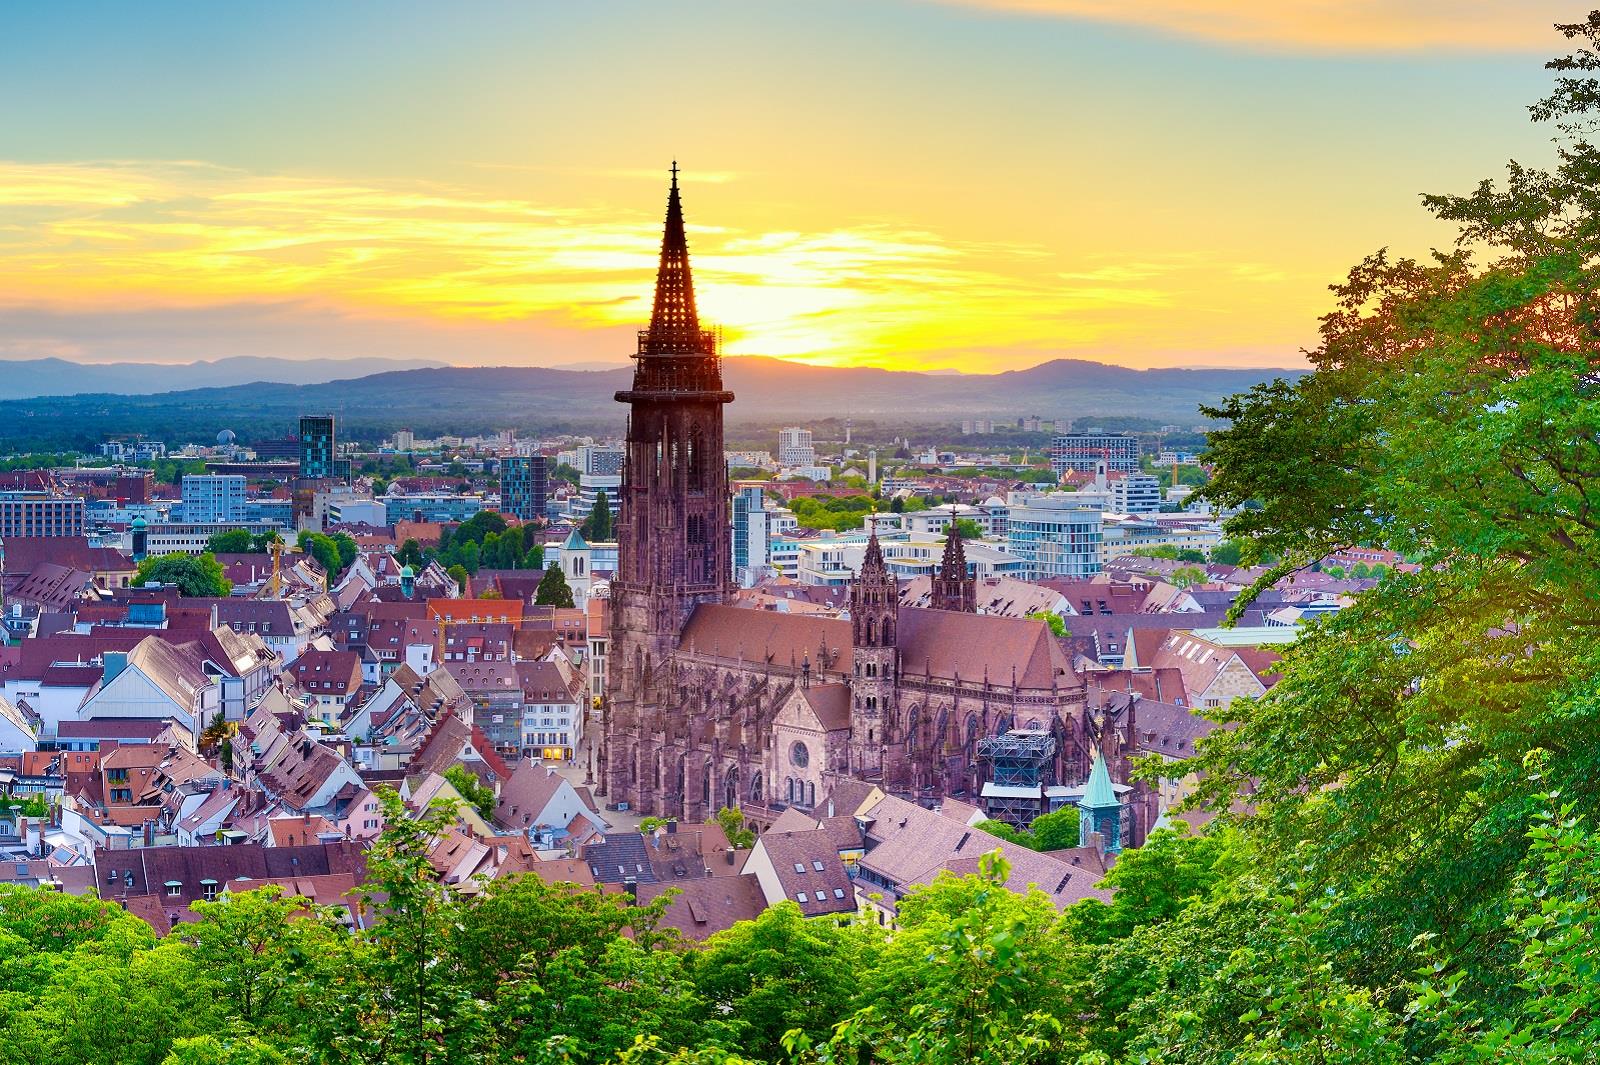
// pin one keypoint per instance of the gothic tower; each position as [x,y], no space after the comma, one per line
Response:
[874,619]
[673,537]
[953,587]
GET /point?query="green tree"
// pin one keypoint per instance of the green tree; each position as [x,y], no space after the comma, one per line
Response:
[413,1010]
[1058,624]
[1227,553]
[1450,417]
[732,823]
[210,1050]
[231,542]
[968,529]
[410,554]
[322,549]
[597,527]
[254,946]
[975,974]
[1187,576]
[347,548]
[459,574]
[778,973]
[192,575]
[553,589]
[1055,831]
[478,794]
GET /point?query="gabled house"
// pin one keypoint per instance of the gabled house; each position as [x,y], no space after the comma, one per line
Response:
[329,680]
[539,803]
[156,680]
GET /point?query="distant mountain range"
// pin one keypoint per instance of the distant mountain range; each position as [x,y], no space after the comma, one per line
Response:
[475,399]
[27,378]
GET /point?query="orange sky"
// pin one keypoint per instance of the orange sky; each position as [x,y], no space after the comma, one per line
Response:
[972,184]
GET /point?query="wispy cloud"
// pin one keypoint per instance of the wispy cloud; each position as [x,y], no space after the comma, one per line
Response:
[428,269]
[1326,25]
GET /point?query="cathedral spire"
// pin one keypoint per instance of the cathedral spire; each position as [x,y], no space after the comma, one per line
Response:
[674,323]
[872,564]
[953,588]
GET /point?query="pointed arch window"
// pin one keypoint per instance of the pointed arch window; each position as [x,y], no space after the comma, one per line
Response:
[697,459]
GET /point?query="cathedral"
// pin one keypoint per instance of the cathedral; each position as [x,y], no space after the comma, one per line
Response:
[714,705]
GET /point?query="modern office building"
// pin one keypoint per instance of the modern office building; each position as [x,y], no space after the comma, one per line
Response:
[194,538]
[600,460]
[213,497]
[750,533]
[40,514]
[794,447]
[525,486]
[1056,534]
[1081,451]
[318,446]
[430,506]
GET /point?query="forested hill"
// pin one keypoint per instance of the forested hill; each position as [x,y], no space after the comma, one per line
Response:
[477,399]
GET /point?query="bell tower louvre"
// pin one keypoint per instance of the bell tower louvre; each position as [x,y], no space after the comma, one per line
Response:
[673,537]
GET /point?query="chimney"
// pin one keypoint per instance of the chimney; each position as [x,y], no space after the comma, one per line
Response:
[672,828]
[730,855]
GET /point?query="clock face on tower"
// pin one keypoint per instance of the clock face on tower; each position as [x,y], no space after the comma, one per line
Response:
[799,756]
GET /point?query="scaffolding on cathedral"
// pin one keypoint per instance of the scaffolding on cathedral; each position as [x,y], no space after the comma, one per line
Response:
[1020,769]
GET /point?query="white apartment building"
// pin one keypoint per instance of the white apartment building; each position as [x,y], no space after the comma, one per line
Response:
[794,447]
[1134,493]
[835,561]
[1055,534]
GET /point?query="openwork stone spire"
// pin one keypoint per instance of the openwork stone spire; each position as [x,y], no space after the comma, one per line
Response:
[674,324]
[953,588]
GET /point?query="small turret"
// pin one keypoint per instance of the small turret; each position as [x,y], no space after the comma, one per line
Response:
[1101,810]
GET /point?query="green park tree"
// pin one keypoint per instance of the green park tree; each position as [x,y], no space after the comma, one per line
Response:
[553,589]
[231,542]
[192,575]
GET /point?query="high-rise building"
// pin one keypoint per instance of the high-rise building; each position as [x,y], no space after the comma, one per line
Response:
[40,514]
[1080,451]
[524,486]
[213,497]
[317,446]
[750,533]
[794,447]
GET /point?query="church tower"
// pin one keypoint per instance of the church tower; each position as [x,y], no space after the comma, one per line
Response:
[874,619]
[673,537]
[953,587]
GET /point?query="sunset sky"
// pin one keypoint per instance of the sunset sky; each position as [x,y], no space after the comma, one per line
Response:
[936,184]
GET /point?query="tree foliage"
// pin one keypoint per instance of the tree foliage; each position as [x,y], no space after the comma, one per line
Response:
[553,589]
[192,575]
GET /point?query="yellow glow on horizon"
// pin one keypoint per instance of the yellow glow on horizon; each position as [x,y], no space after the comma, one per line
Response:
[92,236]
